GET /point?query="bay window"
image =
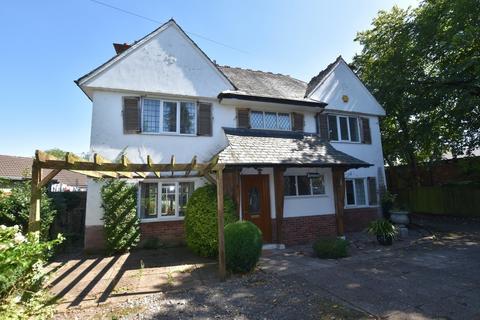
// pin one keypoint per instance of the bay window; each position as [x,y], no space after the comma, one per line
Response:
[304,185]
[160,116]
[163,200]
[343,128]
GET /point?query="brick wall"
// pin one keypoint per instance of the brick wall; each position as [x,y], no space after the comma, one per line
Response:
[357,219]
[300,230]
[169,232]
[94,239]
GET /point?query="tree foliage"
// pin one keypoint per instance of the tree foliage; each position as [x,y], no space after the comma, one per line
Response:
[423,66]
[15,208]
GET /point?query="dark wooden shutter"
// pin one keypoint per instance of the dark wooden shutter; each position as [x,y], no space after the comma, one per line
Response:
[366,135]
[204,119]
[243,118]
[297,121]
[372,191]
[322,126]
[131,115]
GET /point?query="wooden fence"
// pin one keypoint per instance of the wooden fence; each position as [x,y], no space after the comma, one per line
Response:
[443,200]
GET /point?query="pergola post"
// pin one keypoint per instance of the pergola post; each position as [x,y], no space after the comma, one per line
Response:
[338,176]
[220,222]
[34,218]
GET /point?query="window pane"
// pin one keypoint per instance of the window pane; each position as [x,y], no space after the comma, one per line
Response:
[303,185]
[256,120]
[254,201]
[284,121]
[289,186]
[318,185]
[350,195]
[168,199]
[343,128]
[270,120]
[353,122]
[169,116]
[148,200]
[151,115]
[332,127]
[360,192]
[185,191]
[187,117]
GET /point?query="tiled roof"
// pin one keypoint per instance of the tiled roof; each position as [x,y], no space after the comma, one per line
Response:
[247,146]
[19,168]
[265,84]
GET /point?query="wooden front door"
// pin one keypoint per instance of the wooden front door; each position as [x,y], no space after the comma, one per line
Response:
[256,203]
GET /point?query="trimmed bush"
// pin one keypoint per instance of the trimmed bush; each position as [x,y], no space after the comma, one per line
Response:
[331,248]
[201,220]
[120,220]
[243,246]
[22,274]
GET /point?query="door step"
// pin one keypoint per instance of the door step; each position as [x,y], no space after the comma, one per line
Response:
[273,246]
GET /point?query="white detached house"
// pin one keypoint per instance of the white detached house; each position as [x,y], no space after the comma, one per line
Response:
[302,160]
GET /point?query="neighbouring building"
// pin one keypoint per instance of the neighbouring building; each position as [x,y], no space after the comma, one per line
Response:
[298,155]
[15,169]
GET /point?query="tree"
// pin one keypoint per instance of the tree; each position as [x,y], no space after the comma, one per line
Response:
[423,66]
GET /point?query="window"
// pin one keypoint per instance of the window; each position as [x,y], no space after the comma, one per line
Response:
[270,120]
[342,128]
[358,192]
[148,202]
[173,198]
[304,185]
[168,116]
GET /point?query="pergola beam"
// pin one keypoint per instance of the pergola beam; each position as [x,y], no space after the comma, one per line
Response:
[48,177]
[150,165]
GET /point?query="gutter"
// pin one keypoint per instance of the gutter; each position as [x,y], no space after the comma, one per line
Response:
[231,95]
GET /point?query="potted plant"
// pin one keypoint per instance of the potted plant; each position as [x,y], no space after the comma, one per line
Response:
[399,215]
[384,230]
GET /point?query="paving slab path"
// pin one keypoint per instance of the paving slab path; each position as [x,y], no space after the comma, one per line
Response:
[424,277]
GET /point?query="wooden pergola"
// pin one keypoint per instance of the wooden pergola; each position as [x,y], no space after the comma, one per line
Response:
[124,168]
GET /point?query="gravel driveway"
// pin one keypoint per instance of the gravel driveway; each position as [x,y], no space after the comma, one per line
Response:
[425,277]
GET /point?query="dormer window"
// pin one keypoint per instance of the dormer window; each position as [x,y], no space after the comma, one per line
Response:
[270,120]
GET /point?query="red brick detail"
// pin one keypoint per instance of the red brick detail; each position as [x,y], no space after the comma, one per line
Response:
[357,219]
[300,230]
[168,232]
[94,238]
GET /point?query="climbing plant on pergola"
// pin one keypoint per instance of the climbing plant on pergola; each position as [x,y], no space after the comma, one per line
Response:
[103,168]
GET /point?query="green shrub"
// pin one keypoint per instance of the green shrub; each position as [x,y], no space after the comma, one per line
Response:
[331,248]
[15,209]
[201,220]
[243,246]
[22,274]
[382,228]
[121,223]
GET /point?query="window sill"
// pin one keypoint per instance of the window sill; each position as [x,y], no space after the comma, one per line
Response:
[163,219]
[168,134]
[347,142]
[307,196]
[360,207]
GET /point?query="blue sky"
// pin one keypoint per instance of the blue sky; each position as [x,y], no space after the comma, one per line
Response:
[45,45]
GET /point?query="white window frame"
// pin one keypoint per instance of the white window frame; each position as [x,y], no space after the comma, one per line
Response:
[158,209]
[178,123]
[263,120]
[311,187]
[365,187]
[339,131]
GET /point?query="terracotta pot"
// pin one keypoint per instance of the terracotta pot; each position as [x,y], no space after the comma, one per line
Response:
[400,217]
